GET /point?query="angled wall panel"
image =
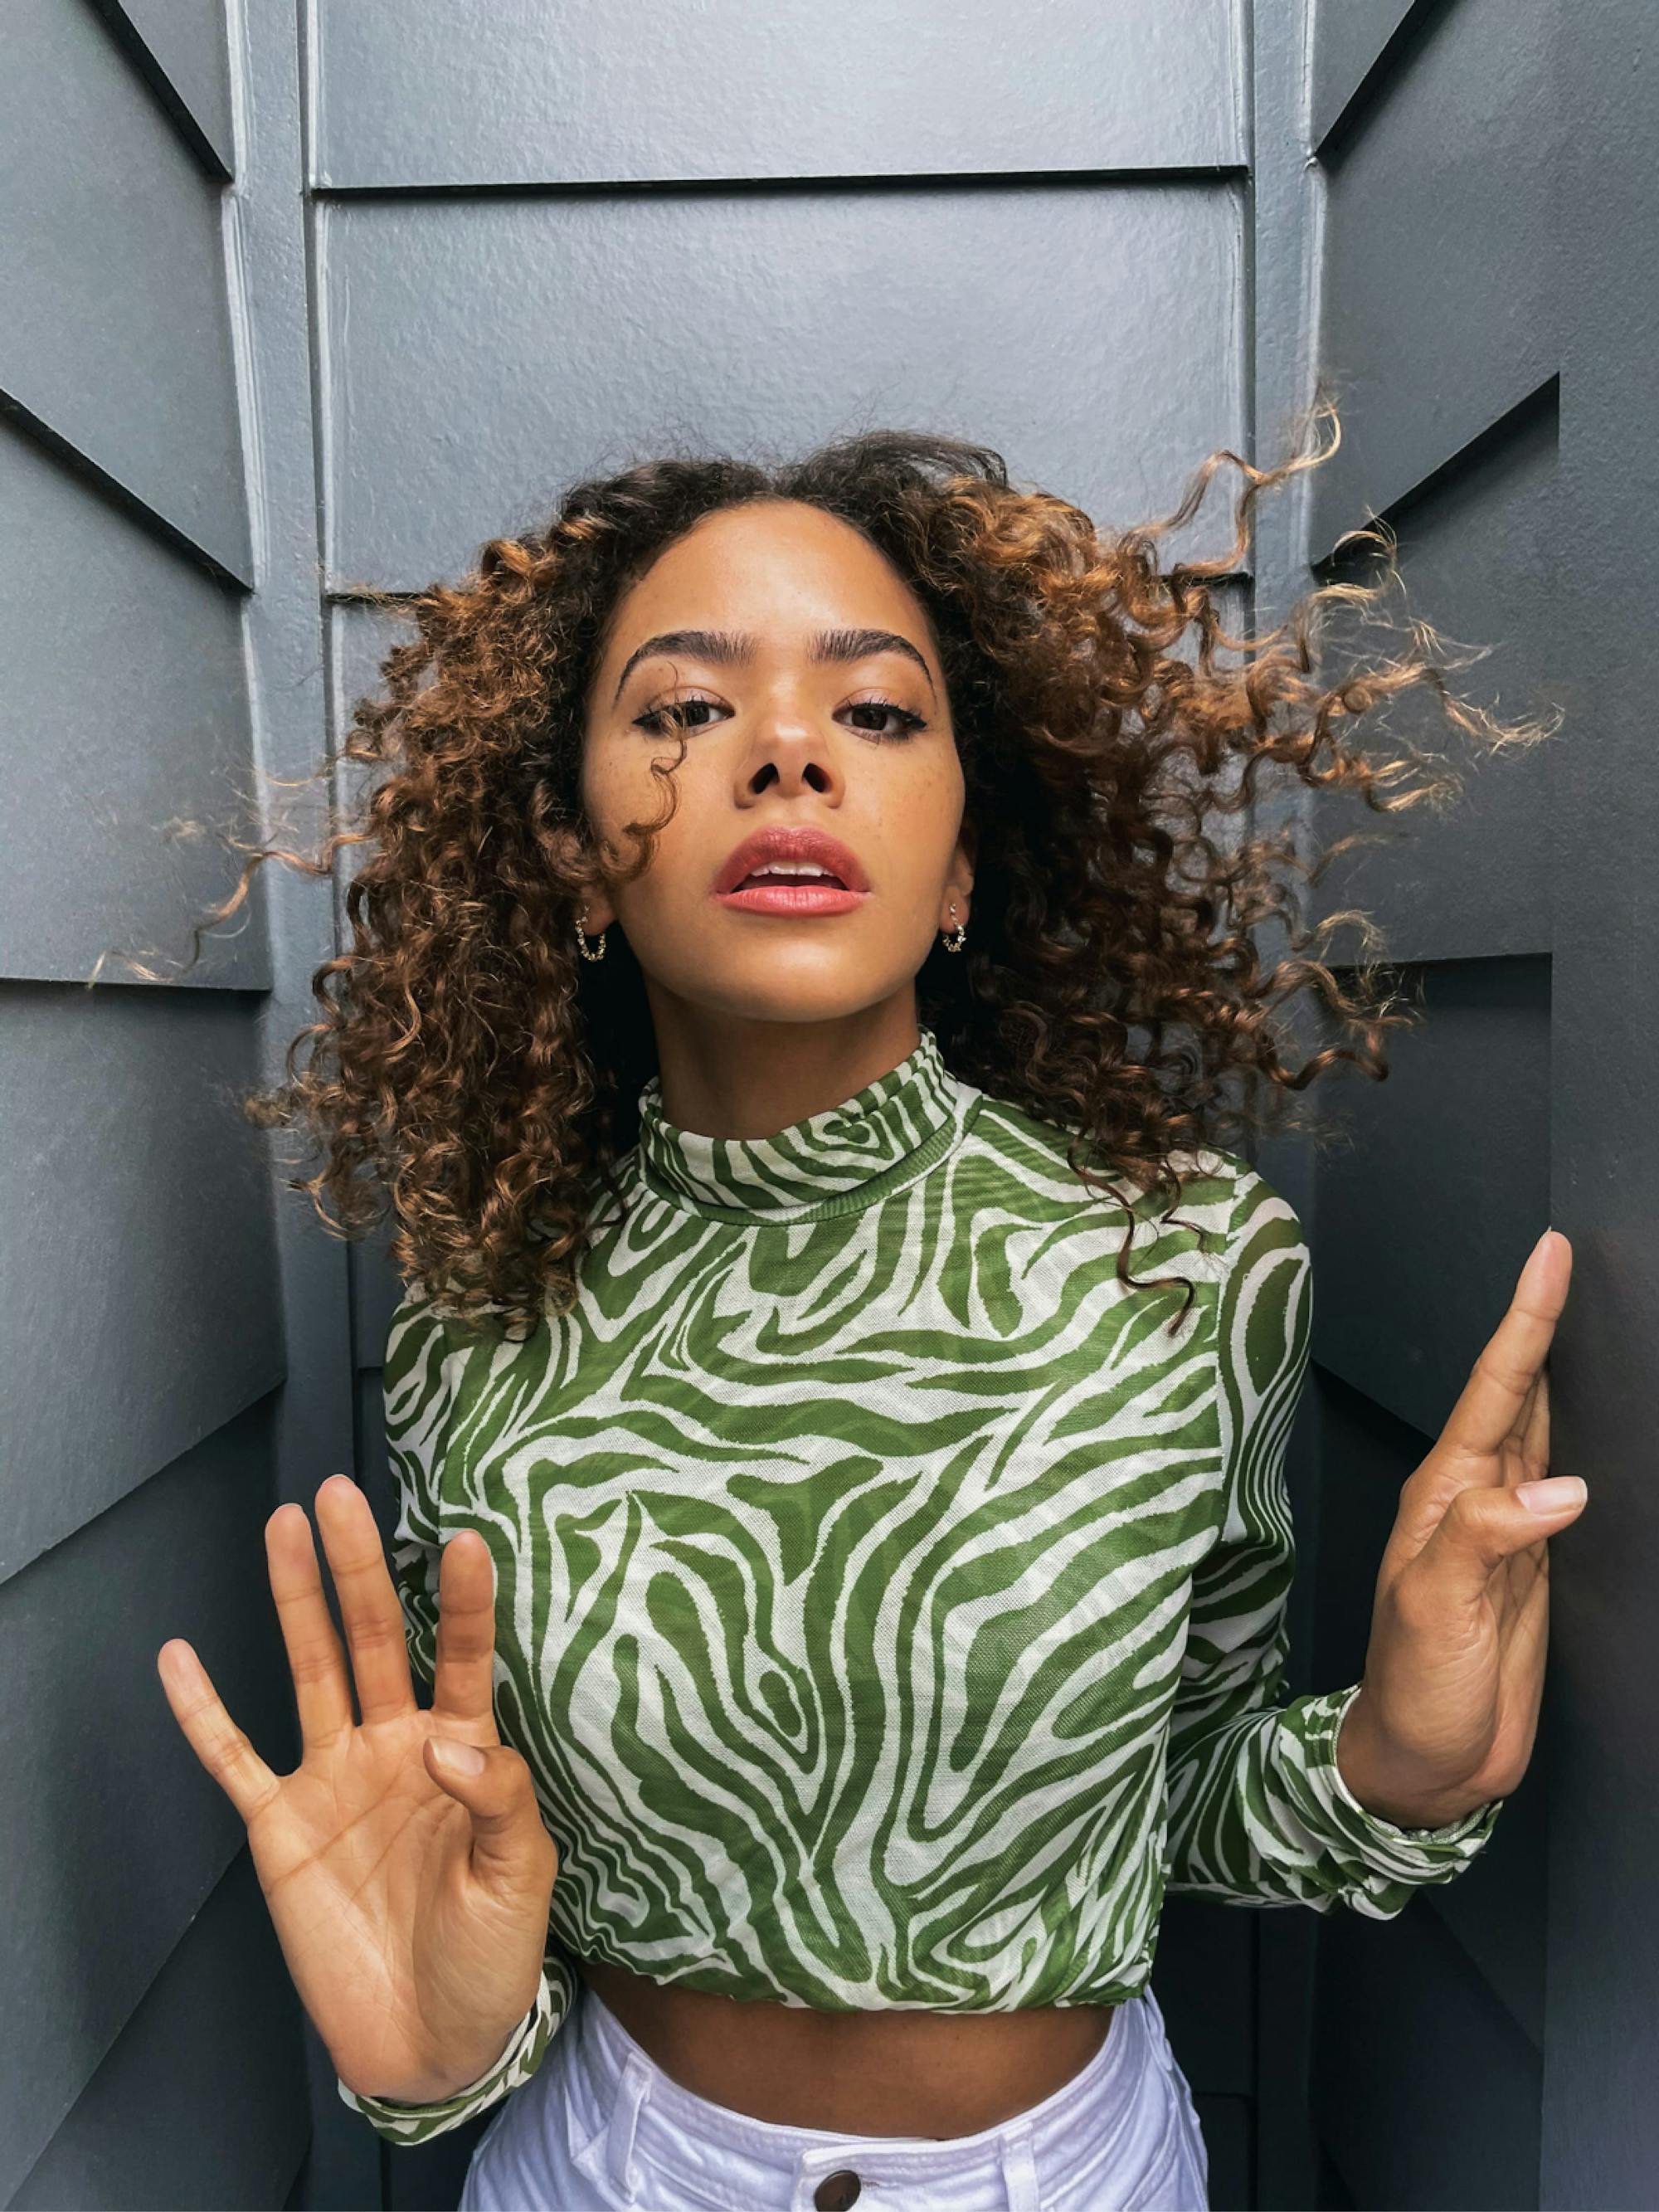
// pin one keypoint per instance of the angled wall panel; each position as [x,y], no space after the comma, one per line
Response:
[1438,332]
[1441,1188]
[138,1208]
[1349,39]
[1601,2119]
[1438,311]
[126,731]
[193,2047]
[182,43]
[481,351]
[157,2057]
[116,336]
[1428,2080]
[122,1833]
[530,94]
[1476,555]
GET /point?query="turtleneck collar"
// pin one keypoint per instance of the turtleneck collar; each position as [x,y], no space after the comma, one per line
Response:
[826,1164]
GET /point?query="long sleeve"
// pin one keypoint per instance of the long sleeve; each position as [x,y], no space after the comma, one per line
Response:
[420,1379]
[1259,1813]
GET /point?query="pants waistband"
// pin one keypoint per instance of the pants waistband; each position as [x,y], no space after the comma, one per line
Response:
[737,2159]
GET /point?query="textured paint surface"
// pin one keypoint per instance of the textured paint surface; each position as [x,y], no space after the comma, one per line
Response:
[533,96]
[117,335]
[483,350]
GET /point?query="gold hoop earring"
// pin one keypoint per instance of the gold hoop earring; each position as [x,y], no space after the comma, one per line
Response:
[589,952]
[958,937]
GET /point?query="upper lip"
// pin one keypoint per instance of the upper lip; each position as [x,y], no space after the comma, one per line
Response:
[799,844]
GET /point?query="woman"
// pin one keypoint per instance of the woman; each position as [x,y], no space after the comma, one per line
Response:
[853,1589]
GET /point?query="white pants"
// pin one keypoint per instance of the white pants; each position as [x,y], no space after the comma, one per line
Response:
[599,2125]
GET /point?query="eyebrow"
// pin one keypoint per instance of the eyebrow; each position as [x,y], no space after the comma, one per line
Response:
[725,647]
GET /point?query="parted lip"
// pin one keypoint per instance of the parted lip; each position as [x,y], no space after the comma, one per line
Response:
[790,844]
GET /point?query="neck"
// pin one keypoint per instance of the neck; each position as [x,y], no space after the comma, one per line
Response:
[730,1075]
[834,1160]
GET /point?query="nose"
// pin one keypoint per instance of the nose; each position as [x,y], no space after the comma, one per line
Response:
[789,755]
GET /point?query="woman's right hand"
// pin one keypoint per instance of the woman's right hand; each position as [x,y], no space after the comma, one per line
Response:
[411,1903]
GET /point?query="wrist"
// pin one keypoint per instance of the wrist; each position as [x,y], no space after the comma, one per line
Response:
[1388,1787]
[438,2082]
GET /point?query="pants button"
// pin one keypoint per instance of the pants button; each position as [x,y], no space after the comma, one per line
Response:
[837,2191]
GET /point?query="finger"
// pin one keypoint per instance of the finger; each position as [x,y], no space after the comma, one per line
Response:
[375,1627]
[463,1682]
[1523,1415]
[316,1657]
[1482,1527]
[1532,1444]
[215,1738]
[1509,1365]
[513,1852]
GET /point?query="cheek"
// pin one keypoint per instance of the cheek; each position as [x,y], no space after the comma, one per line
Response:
[618,789]
[916,814]
[931,800]
[613,792]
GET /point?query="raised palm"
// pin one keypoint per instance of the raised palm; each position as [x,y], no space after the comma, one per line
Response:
[412,1911]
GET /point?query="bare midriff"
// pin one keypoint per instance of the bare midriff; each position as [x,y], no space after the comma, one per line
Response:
[893,2073]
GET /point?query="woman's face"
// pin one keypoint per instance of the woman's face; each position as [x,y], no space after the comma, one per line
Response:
[805,674]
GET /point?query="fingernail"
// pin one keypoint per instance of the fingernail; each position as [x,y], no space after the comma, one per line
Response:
[1551,1494]
[459,1758]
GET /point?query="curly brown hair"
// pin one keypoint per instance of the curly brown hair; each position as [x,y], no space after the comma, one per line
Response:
[472,1077]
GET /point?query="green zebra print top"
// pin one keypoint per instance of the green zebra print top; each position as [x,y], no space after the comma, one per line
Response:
[890,1606]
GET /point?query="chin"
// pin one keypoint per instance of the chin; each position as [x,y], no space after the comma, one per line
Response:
[811,988]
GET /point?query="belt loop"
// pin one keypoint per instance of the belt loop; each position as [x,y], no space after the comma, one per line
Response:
[624,2119]
[1019,2174]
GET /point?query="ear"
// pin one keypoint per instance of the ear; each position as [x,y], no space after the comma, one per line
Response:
[959,879]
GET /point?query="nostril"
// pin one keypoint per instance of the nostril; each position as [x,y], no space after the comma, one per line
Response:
[817,777]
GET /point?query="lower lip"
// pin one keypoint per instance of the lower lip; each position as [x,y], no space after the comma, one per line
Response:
[792,899]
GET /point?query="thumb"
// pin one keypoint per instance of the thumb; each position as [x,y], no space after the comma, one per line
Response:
[1483,1526]
[511,1846]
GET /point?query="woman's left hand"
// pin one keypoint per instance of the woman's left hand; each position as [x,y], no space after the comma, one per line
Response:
[1455,1668]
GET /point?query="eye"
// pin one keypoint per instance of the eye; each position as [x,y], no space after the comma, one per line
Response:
[680,714]
[672,714]
[909,722]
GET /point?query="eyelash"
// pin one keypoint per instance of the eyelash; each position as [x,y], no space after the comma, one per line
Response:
[653,720]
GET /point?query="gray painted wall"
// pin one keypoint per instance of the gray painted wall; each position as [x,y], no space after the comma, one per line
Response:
[1494,2046]
[1600,2129]
[300,305]
[1437,324]
[151,2051]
